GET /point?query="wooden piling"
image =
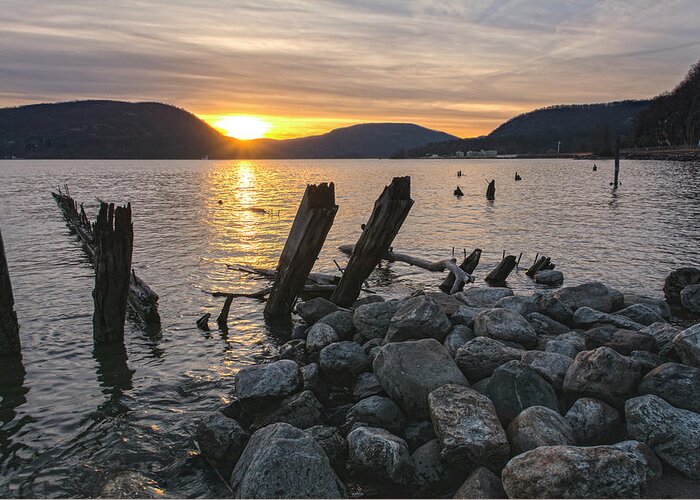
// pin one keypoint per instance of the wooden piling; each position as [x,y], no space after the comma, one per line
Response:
[9,327]
[114,241]
[540,264]
[309,230]
[468,265]
[389,213]
[501,272]
[491,190]
[617,162]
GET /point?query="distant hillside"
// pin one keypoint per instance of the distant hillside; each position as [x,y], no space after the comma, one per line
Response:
[581,127]
[673,118]
[107,129]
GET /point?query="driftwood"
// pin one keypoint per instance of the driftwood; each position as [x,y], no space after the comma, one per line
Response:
[502,270]
[491,190]
[389,212]
[309,230]
[468,265]
[314,278]
[9,328]
[114,242]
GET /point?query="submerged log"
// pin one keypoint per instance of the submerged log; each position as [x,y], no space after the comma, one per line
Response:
[502,270]
[468,265]
[309,230]
[114,243]
[9,328]
[389,213]
[491,190]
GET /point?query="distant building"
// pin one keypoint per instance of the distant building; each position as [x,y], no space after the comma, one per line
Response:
[459,154]
[484,153]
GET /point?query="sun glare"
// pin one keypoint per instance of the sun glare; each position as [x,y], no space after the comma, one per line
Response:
[243,127]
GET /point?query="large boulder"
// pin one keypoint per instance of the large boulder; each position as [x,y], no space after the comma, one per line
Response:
[221,440]
[343,361]
[483,297]
[432,474]
[551,366]
[377,411]
[319,336]
[467,427]
[549,277]
[660,306]
[481,483]
[586,317]
[578,472]
[604,374]
[544,325]
[479,357]
[313,381]
[300,410]
[417,433]
[687,346]
[593,422]
[281,461]
[673,433]
[538,426]
[504,325]
[623,341]
[515,386]
[676,383]
[466,315]
[260,386]
[333,444]
[690,298]
[446,302]
[663,335]
[372,320]
[554,308]
[595,295]
[366,385]
[562,347]
[678,280]
[458,336]
[641,313]
[379,454]
[418,318]
[341,322]
[314,309]
[519,304]
[409,371]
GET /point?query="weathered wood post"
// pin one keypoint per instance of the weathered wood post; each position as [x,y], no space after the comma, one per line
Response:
[309,230]
[9,328]
[389,213]
[491,190]
[617,162]
[468,265]
[501,272]
[114,242]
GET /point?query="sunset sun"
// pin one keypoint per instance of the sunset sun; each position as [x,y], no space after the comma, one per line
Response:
[243,127]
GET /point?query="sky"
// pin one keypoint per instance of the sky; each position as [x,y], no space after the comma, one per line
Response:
[307,66]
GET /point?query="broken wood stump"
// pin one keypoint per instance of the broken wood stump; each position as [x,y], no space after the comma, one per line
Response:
[309,230]
[540,264]
[617,162]
[491,190]
[114,242]
[502,270]
[468,265]
[9,327]
[389,213]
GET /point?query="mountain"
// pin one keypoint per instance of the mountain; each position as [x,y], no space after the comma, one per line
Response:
[673,118]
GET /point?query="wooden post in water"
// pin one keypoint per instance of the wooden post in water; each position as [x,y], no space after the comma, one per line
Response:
[617,162]
[491,190]
[389,213]
[309,230]
[114,242]
[9,328]
[468,265]
[501,272]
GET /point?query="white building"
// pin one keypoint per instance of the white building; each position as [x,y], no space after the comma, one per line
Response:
[484,153]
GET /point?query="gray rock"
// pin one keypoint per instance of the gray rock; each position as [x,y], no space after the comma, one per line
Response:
[260,386]
[578,472]
[447,303]
[647,360]
[687,346]
[544,325]
[408,371]
[550,365]
[594,295]
[585,317]
[320,335]
[561,347]
[299,410]
[377,411]
[515,386]
[641,313]
[593,422]
[313,381]
[603,374]
[342,362]
[300,331]
[690,298]
[341,322]
[482,386]
[131,484]
[518,304]
[678,280]
[372,320]
[333,444]
[549,277]
[663,335]
[221,440]
[369,299]
[577,339]
[418,318]
[373,352]
[623,341]
[380,454]
[483,297]
[481,483]
[418,433]
[295,350]
[479,357]
[467,427]
[677,384]
[366,385]
[538,426]
[554,308]
[282,461]
[314,309]
[465,315]
[673,433]
[660,306]
[458,336]
[431,472]
[505,325]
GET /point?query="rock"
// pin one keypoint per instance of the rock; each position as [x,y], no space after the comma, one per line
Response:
[418,318]
[431,473]
[377,411]
[380,454]
[561,347]
[467,427]
[663,335]
[585,317]
[299,410]
[481,483]
[260,386]
[551,366]
[479,357]
[458,336]
[623,341]
[594,295]
[314,309]
[578,472]
[690,298]
[342,361]
[373,320]
[647,360]
[593,422]
[371,344]
[336,416]
[554,308]
[300,331]
[515,386]
[538,426]
[409,371]
[295,350]
[313,382]
[673,433]
[549,277]
[131,484]
[577,339]
[483,297]
[465,315]
[221,440]
[369,299]
[366,385]
[604,374]
[373,352]
[341,322]
[447,303]
[418,433]
[678,384]
[340,396]
[518,304]
[641,313]
[660,306]
[482,386]
[505,325]
[544,325]
[687,346]
[678,280]
[320,335]
[333,445]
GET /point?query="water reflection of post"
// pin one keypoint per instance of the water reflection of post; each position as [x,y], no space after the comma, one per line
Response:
[12,395]
[113,374]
